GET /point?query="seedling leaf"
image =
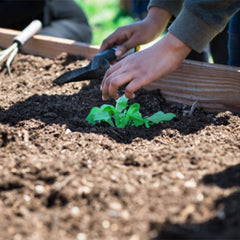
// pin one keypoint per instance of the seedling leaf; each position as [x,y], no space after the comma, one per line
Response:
[100,115]
[135,117]
[121,103]
[160,116]
[123,116]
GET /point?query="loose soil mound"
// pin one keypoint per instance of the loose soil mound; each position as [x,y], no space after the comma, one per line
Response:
[62,178]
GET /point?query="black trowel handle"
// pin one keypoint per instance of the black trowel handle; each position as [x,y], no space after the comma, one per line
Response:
[109,54]
[33,28]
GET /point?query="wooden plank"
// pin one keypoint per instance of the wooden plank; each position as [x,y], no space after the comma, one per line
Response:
[47,46]
[215,87]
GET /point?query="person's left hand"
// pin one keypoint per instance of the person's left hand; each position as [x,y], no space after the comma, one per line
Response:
[144,67]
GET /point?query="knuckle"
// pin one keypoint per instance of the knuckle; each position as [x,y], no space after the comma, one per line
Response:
[128,91]
[107,73]
[124,47]
[114,84]
[105,42]
[120,29]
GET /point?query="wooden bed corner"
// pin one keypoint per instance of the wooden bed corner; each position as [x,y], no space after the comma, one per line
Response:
[214,87]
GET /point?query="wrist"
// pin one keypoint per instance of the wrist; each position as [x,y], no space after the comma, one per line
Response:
[158,19]
[176,45]
[172,51]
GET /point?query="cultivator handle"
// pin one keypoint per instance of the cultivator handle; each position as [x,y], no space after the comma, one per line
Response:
[34,27]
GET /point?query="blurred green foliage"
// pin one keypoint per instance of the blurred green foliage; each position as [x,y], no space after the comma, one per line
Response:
[104,16]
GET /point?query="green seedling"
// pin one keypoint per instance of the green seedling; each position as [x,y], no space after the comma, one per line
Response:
[122,115]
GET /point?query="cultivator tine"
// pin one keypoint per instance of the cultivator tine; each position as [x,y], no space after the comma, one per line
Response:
[5,53]
[10,59]
[33,28]
[11,51]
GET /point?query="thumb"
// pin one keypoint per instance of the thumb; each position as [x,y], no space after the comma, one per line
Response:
[124,48]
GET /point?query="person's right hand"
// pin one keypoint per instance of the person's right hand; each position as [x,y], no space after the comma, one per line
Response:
[139,33]
[140,69]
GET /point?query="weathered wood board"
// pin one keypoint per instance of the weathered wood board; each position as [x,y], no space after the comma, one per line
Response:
[215,87]
[47,46]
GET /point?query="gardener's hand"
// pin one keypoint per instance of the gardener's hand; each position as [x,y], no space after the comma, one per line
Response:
[135,34]
[141,68]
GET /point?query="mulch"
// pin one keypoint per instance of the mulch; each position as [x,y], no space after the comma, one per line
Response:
[63,178]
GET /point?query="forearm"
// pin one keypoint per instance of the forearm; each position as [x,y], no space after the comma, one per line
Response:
[157,19]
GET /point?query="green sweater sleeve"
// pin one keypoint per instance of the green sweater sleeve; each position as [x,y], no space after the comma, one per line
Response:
[199,21]
[173,6]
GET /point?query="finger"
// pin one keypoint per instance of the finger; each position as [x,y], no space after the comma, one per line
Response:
[106,44]
[104,86]
[114,39]
[133,86]
[115,81]
[104,89]
[110,71]
[125,47]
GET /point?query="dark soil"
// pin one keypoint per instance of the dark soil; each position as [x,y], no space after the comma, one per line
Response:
[62,178]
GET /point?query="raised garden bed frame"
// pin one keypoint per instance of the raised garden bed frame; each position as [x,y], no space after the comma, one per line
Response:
[213,87]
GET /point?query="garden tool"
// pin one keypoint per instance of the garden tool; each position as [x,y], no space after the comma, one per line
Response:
[95,69]
[33,28]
